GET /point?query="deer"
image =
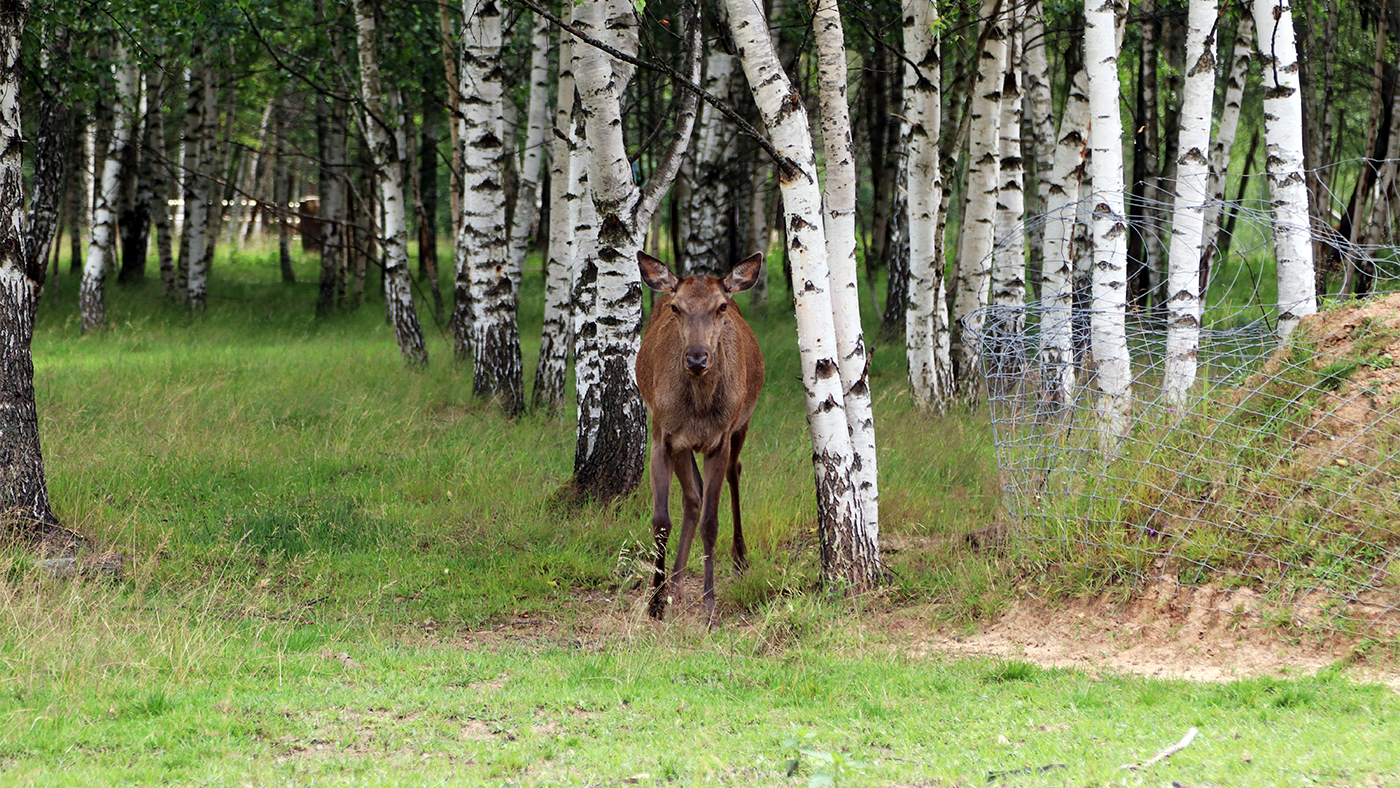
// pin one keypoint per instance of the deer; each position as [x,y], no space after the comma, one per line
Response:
[699,371]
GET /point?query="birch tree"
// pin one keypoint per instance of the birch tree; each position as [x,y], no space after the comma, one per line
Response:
[24,496]
[1224,142]
[611,446]
[1283,144]
[557,332]
[1039,104]
[1057,267]
[1008,275]
[849,552]
[522,223]
[1192,192]
[976,241]
[839,204]
[374,119]
[194,232]
[484,318]
[926,320]
[51,144]
[1108,330]
[101,253]
[708,211]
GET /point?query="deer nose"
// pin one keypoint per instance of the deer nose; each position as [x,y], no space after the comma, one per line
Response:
[697,361]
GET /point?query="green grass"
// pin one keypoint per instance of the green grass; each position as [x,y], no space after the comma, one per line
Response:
[345,572]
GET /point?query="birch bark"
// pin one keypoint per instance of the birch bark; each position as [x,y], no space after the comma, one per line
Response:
[389,173]
[976,241]
[926,321]
[24,497]
[523,221]
[101,253]
[849,556]
[485,314]
[1192,193]
[1225,139]
[556,335]
[1057,267]
[839,204]
[611,447]
[1283,144]
[1108,329]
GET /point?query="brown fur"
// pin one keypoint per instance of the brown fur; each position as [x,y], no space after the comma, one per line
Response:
[700,372]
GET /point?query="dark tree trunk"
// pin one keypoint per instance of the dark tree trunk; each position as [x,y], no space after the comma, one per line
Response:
[24,499]
[426,204]
[135,221]
[51,144]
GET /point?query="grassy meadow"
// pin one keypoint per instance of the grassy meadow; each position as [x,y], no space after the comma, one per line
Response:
[344,572]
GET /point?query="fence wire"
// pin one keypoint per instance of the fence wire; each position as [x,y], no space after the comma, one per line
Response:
[1274,487]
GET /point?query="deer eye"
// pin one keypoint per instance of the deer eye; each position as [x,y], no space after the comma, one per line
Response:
[675,309]
[723,307]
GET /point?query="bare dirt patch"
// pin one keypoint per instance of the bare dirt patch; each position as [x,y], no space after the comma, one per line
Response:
[1171,631]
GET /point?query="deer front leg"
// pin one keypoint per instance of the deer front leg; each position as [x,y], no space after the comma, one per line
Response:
[716,465]
[688,474]
[660,522]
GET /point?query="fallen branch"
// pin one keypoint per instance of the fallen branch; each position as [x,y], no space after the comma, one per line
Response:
[1167,753]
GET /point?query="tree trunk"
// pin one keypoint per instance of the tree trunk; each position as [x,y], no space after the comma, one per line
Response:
[282,187]
[523,219]
[488,312]
[849,556]
[1008,276]
[135,221]
[1040,106]
[51,145]
[426,203]
[1225,139]
[709,208]
[161,154]
[926,322]
[1188,216]
[556,336]
[24,497]
[839,204]
[101,253]
[194,230]
[1283,145]
[389,172]
[1057,271]
[976,241]
[1109,342]
[611,447]
[1143,227]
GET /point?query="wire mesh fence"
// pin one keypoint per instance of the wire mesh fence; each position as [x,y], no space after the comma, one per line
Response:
[1274,484]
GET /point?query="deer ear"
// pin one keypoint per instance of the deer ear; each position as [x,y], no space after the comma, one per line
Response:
[744,275]
[656,274]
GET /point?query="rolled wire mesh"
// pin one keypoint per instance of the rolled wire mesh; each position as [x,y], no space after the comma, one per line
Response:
[1273,486]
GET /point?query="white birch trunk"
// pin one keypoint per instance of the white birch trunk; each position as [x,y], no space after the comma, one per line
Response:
[1057,262]
[524,220]
[557,333]
[705,239]
[1283,145]
[389,173]
[610,451]
[976,241]
[192,208]
[1225,135]
[1192,193]
[1008,286]
[24,494]
[848,555]
[926,317]
[583,279]
[1108,329]
[1039,103]
[839,203]
[489,314]
[101,253]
